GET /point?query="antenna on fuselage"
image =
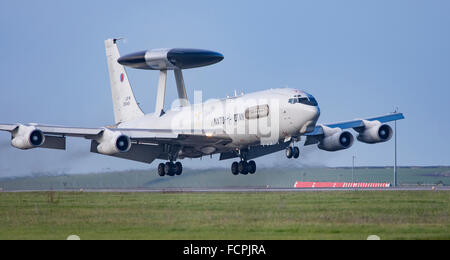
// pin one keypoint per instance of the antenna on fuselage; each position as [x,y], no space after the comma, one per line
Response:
[170,59]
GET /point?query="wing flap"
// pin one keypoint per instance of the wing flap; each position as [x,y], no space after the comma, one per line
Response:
[54,142]
[138,152]
[256,151]
[184,137]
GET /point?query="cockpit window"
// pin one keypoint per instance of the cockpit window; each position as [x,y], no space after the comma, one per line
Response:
[303,100]
[311,101]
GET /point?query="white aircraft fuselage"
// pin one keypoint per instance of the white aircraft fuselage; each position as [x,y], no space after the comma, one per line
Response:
[262,117]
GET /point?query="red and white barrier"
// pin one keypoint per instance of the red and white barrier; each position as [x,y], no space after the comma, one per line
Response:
[300,184]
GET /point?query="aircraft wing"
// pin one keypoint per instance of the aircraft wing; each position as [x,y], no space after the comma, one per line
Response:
[177,136]
[147,144]
[314,137]
[58,130]
[139,135]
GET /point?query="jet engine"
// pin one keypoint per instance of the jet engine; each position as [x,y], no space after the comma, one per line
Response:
[112,142]
[27,137]
[374,132]
[335,139]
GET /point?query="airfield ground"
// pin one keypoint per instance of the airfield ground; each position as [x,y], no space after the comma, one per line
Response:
[219,178]
[226,215]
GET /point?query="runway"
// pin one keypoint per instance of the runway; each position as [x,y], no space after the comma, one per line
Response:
[242,189]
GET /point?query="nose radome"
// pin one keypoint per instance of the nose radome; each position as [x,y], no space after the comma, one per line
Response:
[317,112]
[311,116]
[312,113]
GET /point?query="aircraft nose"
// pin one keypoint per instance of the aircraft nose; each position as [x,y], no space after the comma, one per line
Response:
[314,116]
[317,114]
[311,115]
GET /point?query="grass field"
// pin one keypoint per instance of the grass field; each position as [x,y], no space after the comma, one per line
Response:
[304,215]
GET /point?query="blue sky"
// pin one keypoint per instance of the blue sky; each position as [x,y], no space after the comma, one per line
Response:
[358,58]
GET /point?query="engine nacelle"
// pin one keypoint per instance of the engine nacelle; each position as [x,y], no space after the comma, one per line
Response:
[374,132]
[27,137]
[112,142]
[335,139]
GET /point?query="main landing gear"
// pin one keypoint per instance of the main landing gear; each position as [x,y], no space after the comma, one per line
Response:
[243,167]
[170,169]
[292,152]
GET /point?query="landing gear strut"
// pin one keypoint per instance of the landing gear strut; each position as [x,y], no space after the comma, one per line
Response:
[170,168]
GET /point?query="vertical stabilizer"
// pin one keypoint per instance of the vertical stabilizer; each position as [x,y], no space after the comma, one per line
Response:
[125,106]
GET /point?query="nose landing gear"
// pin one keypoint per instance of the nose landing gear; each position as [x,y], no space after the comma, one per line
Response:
[292,152]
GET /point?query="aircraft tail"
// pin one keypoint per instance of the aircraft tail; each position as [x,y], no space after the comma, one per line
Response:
[125,106]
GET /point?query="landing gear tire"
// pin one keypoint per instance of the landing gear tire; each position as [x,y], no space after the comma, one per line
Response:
[296,152]
[169,169]
[243,167]
[235,168]
[178,168]
[289,152]
[251,167]
[161,171]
